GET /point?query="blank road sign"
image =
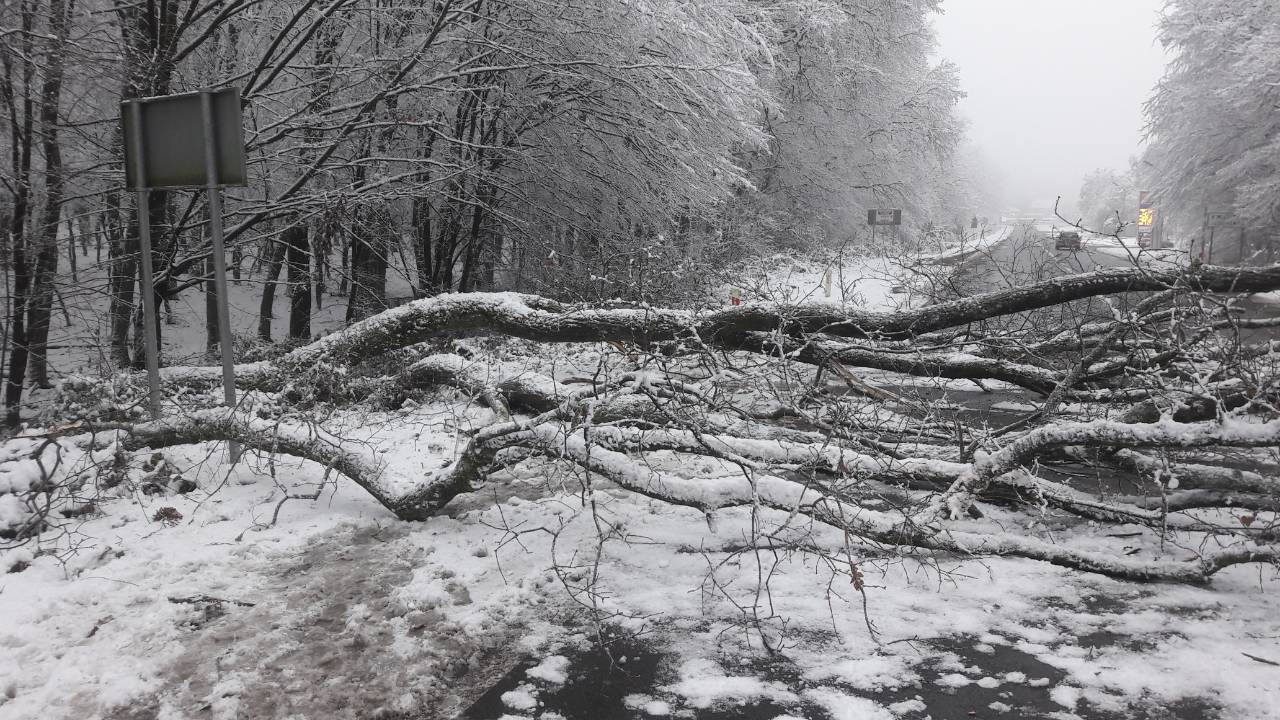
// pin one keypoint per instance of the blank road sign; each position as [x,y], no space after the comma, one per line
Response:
[884,217]
[1221,219]
[173,140]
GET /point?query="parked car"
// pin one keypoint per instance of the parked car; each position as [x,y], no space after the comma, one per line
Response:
[1067,240]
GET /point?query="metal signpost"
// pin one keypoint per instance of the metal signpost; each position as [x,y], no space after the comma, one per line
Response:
[137,161]
[1213,223]
[883,217]
[161,153]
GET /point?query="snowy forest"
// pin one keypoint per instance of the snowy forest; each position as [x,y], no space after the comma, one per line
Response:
[578,374]
[549,148]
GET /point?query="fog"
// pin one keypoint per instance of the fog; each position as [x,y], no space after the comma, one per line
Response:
[1055,89]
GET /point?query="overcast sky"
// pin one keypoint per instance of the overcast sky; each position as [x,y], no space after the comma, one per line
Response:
[1055,89]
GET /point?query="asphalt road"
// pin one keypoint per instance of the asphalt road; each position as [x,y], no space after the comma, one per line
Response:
[1027,256]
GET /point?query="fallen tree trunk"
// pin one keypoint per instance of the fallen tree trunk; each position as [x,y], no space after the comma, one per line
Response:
[768,328]
[535,318]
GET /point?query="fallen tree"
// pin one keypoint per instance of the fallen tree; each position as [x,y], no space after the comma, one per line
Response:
[532,317]
[769,395]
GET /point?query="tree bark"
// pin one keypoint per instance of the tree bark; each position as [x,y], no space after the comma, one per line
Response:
[275,260]
[298,259]
[212,335]
[71,249]
[536,318]
[21,137]
[122,260]
[40,310]
[369,244]
[421,221]
[46,270]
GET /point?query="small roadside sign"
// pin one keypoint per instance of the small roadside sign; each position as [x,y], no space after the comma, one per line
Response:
[171,149]
[883,216]
[191,140]
[1220,219]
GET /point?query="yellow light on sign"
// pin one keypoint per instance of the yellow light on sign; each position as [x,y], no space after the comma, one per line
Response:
[1146,217]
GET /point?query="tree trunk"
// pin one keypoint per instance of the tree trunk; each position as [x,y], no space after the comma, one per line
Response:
[475,244]
[21,136]
[71,250]
[18,311]
[46,269]
[159,216]
[212,336]
[368,264]
[445,246]
[40,310]
[421,221]
[489,263]
[122,260]
[275,259]
[344,271]
[299,263]
[84,227]
[106,229]
[321,244]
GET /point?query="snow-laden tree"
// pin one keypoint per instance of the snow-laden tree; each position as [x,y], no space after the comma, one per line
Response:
[1107,198]
[865,115]
[577,150]
[590,133]
[1215,116]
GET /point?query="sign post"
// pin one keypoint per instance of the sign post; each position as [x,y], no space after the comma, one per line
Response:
[883,216]
[1213,222]
[161,155]
[219,255]
[149,320]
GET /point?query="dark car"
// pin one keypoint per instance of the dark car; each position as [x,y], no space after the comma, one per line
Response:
[1067,241]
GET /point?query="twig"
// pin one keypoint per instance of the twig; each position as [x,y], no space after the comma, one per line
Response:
[1261,660]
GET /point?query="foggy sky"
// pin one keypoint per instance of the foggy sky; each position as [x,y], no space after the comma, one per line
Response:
[1055,89]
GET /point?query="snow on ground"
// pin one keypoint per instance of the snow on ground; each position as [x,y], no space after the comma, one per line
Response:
[970,244]
[1128,249]
[871,283]
[866,282]
[336,609]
